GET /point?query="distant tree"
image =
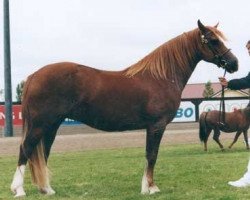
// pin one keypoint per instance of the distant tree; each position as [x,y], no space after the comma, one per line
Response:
[208,91]
[19,91]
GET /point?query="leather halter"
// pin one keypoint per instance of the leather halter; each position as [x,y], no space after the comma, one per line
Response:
[217,56]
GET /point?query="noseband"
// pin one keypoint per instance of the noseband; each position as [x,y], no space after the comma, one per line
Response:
[217,56]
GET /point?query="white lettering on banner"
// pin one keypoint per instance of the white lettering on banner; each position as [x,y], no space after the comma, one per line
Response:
[14,116]
[20,115]
[185,113]
[2,115]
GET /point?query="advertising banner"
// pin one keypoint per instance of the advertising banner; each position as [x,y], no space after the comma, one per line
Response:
[185,113]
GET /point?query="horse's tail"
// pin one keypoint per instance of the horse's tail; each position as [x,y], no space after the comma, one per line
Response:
[202,122]
[38,166]
[37,163]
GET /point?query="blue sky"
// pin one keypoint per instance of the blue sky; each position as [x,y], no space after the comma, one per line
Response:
[114,34]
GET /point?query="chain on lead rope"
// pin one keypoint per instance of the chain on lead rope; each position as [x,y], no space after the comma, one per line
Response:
[222,104]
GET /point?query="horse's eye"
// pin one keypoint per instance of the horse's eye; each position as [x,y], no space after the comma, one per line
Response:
[214,41]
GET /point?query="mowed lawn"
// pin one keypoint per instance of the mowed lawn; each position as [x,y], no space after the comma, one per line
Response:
[182,172]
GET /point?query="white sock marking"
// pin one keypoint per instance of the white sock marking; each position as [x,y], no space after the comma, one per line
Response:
[144,184]
[18,180]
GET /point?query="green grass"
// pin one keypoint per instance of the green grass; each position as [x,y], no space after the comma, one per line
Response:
[182,172]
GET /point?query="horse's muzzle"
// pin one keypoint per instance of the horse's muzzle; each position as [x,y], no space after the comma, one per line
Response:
[230,66]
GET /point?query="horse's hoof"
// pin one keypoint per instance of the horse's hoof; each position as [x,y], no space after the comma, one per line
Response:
[18,192]
[20,195]
[222,149]
[153,189]
[47,191]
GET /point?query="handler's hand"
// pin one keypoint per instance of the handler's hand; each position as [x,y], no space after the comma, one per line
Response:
[223,81]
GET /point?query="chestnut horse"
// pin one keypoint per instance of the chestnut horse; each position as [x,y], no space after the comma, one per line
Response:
[145,95]
[237,121]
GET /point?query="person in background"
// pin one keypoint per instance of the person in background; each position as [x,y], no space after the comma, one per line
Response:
[237,84]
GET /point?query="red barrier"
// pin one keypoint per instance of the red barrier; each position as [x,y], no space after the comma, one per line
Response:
[17,115]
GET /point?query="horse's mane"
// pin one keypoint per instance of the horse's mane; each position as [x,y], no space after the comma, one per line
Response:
[177,52]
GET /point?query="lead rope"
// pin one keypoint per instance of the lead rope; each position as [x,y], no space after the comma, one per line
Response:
[222,105]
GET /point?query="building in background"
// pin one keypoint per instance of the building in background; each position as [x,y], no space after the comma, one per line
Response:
[192,91]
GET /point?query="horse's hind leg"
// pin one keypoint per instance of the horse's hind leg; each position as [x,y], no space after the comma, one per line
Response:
[17,183]
[235,138]
[154,135]
[48,141]
[36,148]
[209,130]
[25,152]
[246,138]
[216,138]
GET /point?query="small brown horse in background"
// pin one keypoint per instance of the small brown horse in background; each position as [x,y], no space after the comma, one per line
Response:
[237,121]
[145,95]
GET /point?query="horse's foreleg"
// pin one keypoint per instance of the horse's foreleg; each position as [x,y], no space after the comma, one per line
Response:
[235,138]
[246,138]
[216,138]
[153,139]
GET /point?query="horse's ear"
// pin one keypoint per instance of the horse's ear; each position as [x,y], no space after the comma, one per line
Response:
[202,28]
[216,26]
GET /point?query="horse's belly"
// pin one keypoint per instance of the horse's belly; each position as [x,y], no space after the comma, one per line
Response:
[108,125]
[116,122]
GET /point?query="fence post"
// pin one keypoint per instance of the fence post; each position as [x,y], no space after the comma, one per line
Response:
[196,103]
[8,130]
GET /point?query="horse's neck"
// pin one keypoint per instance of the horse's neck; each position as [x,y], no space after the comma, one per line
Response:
[181,79]
[181,74]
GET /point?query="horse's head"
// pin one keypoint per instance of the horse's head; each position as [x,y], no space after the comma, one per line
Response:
[213,49]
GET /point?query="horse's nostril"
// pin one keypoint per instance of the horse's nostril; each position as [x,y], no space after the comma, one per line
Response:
[223,63]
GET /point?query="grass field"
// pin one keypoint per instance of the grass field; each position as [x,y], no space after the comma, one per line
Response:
[182,172]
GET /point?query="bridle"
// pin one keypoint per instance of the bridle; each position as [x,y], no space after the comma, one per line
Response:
[217,56]
[220,63]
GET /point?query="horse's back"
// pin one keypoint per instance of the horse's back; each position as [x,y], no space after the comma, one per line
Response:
[59,77]
[55,86]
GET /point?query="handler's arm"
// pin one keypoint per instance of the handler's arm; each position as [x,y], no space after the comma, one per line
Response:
[242,83]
